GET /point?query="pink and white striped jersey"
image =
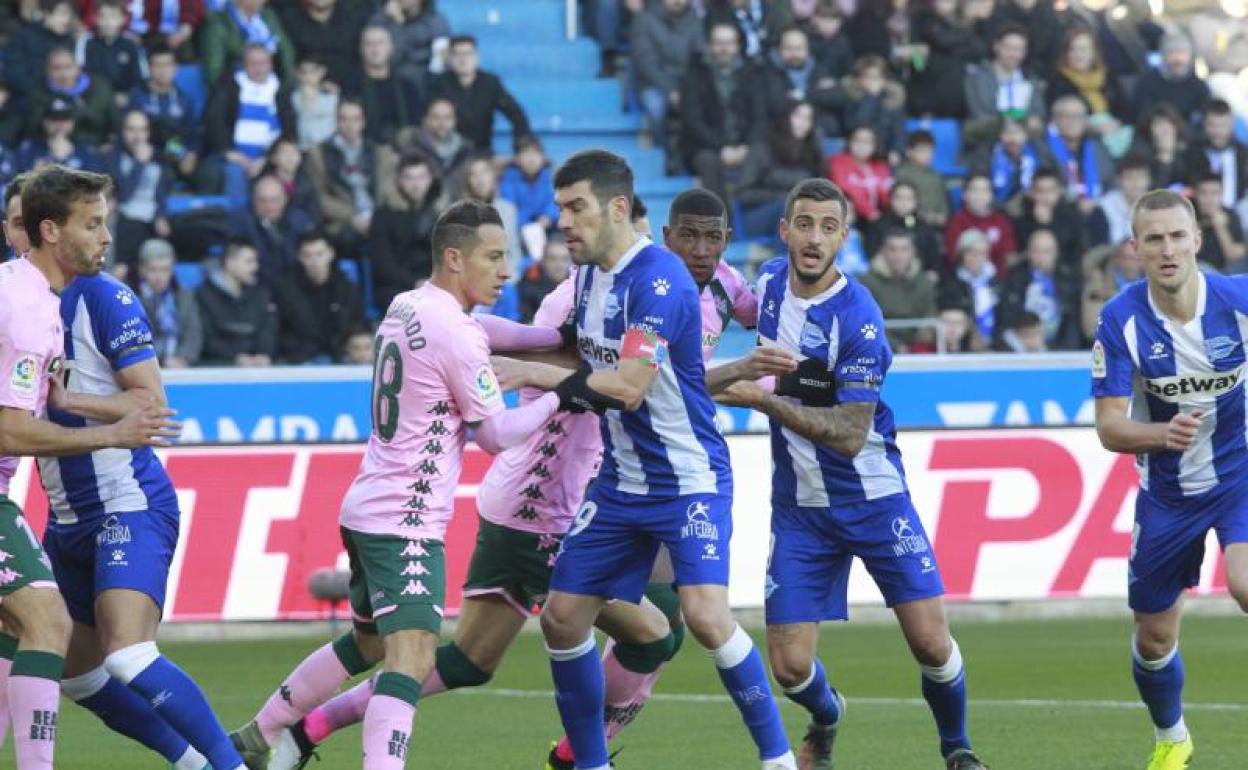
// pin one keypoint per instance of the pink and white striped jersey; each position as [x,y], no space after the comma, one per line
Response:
[537,486]
[32,344]
[432,378]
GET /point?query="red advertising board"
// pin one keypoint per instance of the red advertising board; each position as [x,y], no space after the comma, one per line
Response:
[1028,514]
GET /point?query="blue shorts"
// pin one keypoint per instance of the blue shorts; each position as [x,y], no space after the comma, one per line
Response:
[812,550]
[1168,543]
[120,550]
[610,549]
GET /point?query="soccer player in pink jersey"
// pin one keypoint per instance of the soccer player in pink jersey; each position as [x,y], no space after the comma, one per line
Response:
[432,381]
[65,214]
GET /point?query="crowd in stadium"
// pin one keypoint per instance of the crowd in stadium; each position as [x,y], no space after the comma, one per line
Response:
[346,127]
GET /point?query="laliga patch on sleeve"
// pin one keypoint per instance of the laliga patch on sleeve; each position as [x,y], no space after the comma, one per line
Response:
[1098,359]
[24,379]
[644,345]
[487,383]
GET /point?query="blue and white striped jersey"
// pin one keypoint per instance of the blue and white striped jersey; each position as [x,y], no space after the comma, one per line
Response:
[669,446]
[106,330]
[1163,367]
[842,329]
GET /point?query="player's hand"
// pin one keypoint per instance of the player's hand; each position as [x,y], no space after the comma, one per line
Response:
[766,361]
[151,425]
[58,396]
[745,393]
[511,374]
[1181,430]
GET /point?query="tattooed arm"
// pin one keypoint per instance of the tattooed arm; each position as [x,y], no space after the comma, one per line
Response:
[842,428]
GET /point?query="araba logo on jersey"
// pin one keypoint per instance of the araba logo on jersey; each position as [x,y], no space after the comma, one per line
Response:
[699,524]
[593,351]
[1185,386]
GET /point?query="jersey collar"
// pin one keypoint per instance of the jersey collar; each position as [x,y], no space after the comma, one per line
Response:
[39,277]
[819,298]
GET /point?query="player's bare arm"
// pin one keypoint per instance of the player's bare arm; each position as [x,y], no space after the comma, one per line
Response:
[23,434]
[1119,433]
[762,361]
[141,385]
[842,428]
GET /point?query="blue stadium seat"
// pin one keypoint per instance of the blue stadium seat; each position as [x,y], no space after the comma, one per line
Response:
[188,274]
[560,105]
[514,59]
[180,204]
[948,135]
[522,18]
[832,145]
[351,269]
[1241,128]
[737,253]
[190,78]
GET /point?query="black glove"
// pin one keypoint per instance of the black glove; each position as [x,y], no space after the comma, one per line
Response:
[577,397]
[811,383]
[567,330]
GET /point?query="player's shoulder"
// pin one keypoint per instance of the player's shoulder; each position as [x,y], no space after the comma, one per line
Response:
[662,271]
[729,276]
[1226,290]
[102,289]
[773,267]
[557,304]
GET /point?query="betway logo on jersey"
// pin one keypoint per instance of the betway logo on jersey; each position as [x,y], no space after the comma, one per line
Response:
[1184,387]
[591,350]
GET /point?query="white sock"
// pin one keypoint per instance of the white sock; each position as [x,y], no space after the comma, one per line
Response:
[191,760]
[1174,733]
[786,761]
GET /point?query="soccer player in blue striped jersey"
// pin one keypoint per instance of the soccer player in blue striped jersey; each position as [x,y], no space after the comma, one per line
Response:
[838,486]
[665,475]
[1167,369]
[112,534]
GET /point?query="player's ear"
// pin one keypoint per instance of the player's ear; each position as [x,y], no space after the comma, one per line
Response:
[784,230]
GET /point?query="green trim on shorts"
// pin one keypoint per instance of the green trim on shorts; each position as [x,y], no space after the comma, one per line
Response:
[24,562]
[349,654]
[512,562]
[397,583]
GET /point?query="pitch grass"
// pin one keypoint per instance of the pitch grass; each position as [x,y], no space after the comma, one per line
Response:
[1075,675]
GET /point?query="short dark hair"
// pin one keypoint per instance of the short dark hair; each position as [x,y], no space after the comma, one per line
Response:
[1218,107]
[639,209]
[1134,161]
[868,62]
[158,47]
[462,40]
[528,142]
[1207,176]
[312,236]
[920,138]
[49,6]
[234,247]
[13,190]
[696,202]
[1153,200]
[1009,28]
[350,101]
[1025,319]
[51,192]
[457,227]
[607,173]
[1047,172]
[898,232]
[815,189]
[59,49]
[416,159]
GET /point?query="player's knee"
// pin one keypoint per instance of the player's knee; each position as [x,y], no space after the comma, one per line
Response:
[646,658]
[559,629]
[711,623]
[127,663]
[790,667]
[1153,643]
[44,621]
[369,646]
[932,650]
[1240,594]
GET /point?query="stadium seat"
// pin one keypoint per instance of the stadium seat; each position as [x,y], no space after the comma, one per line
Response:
[514,60]
[188,274]
[521,19]
[181,204]
[351,269]
[1241,128]
[946,160]
[190,78]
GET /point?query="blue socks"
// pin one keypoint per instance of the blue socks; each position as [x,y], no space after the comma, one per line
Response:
[817,697]
[580,694]
[741,670]
[944,689]
[126,712]
[1160,683]
[176,698]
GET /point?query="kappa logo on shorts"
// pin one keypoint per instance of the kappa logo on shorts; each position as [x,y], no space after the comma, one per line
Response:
[415,588]
[5,556]
[908,541]
[8,575]
[699,522]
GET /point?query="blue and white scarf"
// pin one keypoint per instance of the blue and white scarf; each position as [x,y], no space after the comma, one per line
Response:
[170,12]
[258,124]
[254,30]
[1008,176]
[1082,178]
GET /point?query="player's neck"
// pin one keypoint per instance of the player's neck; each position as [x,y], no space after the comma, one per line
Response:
[443,281]
[1179,306]
[803,290]
[623,239]
[45,262]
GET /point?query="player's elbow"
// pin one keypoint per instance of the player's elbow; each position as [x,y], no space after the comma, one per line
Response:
[632,396]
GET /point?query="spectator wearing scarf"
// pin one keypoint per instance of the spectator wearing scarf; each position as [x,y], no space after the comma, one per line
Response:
[227,33]
[92,101]
[177,332]
[1079,156]
[1012,162]
[975,278]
